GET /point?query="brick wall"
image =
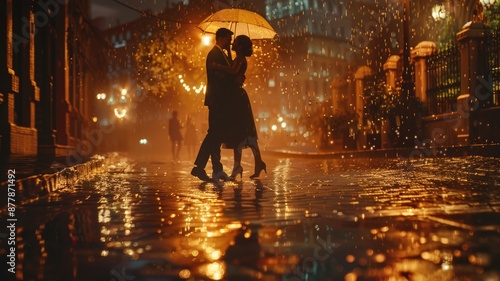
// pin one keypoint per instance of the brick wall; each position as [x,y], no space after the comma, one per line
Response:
[23,140]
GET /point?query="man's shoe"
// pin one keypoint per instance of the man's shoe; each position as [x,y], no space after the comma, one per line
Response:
[221,176]
[200,173]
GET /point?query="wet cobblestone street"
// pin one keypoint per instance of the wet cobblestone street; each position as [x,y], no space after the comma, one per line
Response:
[306,219]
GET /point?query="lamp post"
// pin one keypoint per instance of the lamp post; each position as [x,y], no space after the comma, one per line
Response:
[407,85]
[480,5]
[408,125]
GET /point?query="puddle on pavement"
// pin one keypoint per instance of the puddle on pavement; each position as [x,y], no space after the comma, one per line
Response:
[132,226]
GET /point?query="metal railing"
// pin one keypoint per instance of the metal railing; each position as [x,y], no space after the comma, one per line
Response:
[443,78]
[493,48]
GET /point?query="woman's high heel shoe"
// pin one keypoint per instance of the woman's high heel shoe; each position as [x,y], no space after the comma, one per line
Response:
[259,168]
[237,170]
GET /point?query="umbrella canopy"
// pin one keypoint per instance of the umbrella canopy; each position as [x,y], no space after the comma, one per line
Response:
[240,22]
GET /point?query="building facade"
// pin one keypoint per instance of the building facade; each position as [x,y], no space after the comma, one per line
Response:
[313,38]
[49,68]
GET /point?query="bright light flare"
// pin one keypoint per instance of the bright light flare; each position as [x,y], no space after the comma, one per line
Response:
[120,114]
[438,12]
[487,3]
[206,40]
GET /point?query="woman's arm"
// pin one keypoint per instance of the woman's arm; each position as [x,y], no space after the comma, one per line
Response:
[229,69]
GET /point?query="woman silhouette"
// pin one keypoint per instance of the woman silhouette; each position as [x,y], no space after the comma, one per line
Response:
[240,128]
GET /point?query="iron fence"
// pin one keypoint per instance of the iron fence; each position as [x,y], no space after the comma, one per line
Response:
[443,78]
[493,48]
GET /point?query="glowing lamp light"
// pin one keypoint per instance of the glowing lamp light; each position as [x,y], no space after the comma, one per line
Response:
[271,83]
[120,114]
[143,141]
[101,96]
[438,12]
[206,40]
[488,3]
[283,125]
[200,89]
[274,127]
[94,119]
[124,92]
[189,88]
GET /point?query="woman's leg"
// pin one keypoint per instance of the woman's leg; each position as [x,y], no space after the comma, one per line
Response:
[237,169]
[259,164]
[237,157]
[252,143]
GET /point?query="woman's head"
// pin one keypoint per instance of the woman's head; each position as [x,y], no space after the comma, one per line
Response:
[244,43]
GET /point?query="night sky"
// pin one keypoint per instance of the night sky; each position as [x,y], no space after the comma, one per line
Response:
[115,13]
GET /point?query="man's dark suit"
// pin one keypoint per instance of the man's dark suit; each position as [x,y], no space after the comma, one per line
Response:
[215,99]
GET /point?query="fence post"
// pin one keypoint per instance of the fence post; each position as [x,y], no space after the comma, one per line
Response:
[338,90]
[392,71]
[419,56]
[473,70]
[359,77]
[392,74]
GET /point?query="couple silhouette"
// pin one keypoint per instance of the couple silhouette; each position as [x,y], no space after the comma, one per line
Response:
[230,118]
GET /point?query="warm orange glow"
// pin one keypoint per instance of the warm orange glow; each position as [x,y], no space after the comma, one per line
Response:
[206,39]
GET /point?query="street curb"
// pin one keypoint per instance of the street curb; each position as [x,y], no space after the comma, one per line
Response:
[486,150]
[32,188]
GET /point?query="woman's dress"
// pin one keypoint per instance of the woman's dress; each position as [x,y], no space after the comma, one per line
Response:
[239,121]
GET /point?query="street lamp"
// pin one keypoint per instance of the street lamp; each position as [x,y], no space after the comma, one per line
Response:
[480,5]
[120,113]
[438,12]
[483,4]
[206,39]
[101,96]
[407,121]
[487,3]
[407,79]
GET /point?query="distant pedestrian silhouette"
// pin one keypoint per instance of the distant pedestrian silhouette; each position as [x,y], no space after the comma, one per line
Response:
[174,133]
[190,137]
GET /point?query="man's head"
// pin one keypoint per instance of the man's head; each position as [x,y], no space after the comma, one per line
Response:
[223,37]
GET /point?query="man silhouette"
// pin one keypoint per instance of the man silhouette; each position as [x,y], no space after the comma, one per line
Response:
[215,100]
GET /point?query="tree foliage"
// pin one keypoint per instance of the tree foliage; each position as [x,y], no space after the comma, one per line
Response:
[381,102]
[493,16]
[448,30]
[168,60]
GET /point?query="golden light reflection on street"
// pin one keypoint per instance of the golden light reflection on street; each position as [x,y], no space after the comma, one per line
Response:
[348,221]
[282,172]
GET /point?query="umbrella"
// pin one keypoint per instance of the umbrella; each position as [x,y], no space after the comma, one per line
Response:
[240,22]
